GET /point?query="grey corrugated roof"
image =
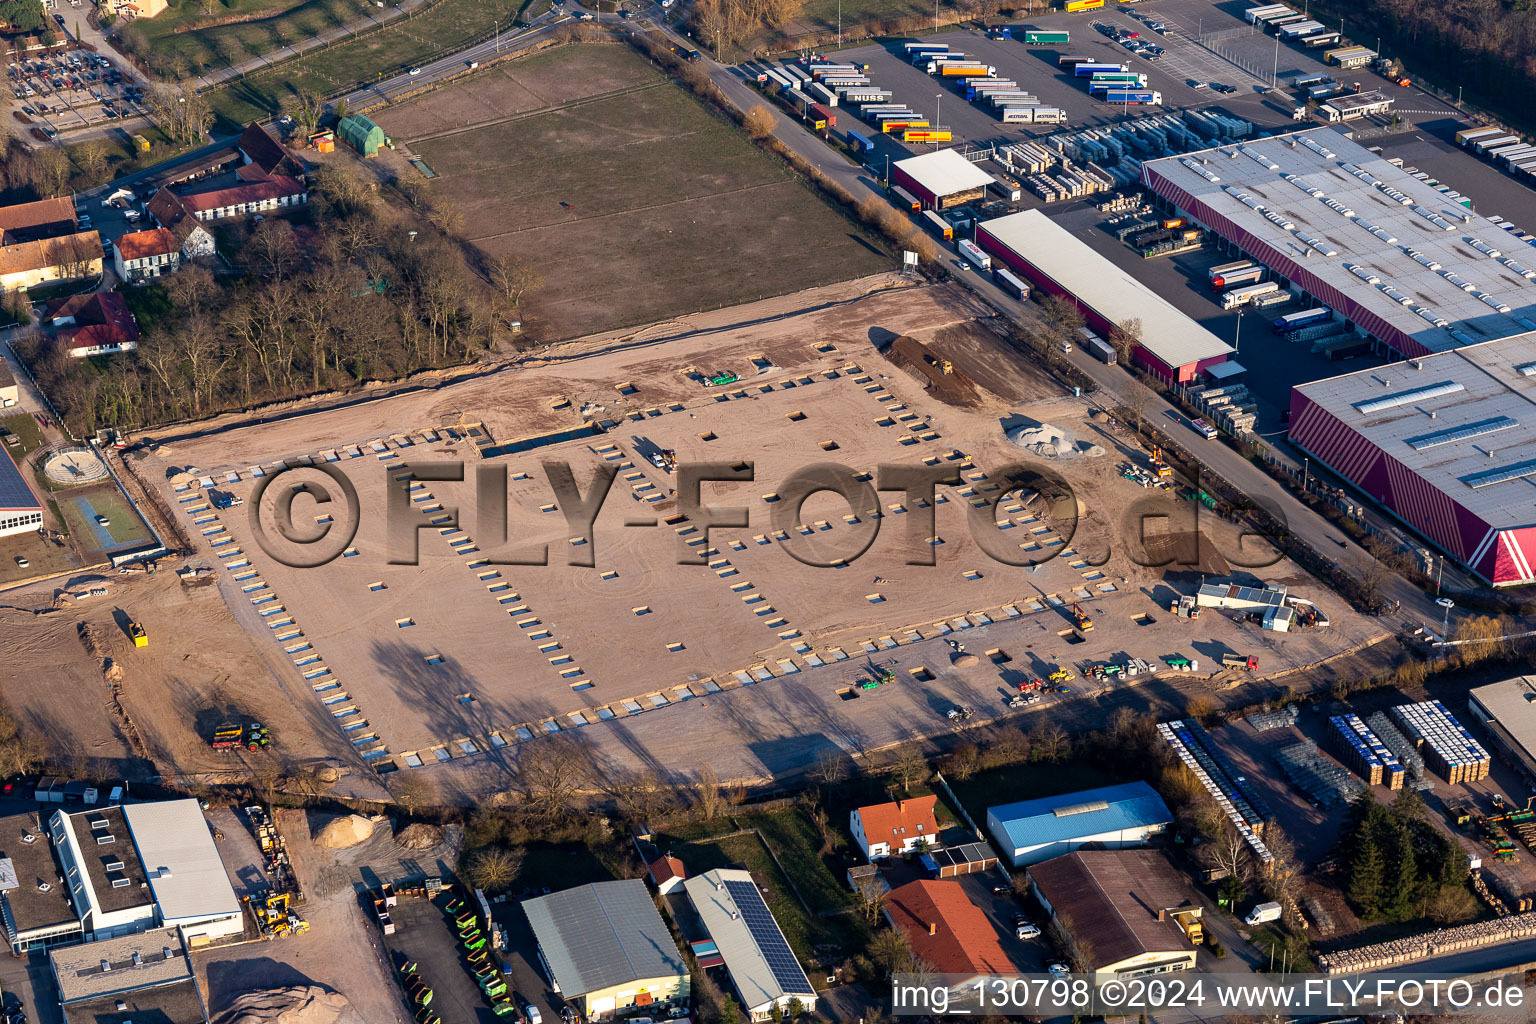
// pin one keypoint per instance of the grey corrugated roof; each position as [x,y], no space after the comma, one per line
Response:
[731,926]
[603,934]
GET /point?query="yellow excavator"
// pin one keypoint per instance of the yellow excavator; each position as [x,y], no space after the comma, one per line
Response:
[273,915]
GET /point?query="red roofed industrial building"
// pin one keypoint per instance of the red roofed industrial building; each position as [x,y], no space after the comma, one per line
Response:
[895,828]
[947,932]
[940,180]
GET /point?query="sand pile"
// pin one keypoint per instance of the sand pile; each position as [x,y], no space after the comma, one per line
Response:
[965,660]
[300,1004]
[344,832]
[1051,442]
[419,836]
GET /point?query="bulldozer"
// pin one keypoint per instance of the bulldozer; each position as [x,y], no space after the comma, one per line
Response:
[941,364]
[1062,675]
[274,916]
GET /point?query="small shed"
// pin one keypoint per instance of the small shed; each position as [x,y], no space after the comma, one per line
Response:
[959,860]
[361,134]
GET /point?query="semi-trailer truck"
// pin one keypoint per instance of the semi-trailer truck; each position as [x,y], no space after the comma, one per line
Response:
[1011,283]
[1091,68]
[1306,318]
[1044,37]
[1252,293]
[973,254]
[902,198]
[938,225]
[1133,97]
[1251,273]
[821,118]
[1322,39]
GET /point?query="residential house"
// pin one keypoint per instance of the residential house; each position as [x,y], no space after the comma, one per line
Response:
[667,873]
[264,156]
[46,218]
[244,200]
[946,931]
[170,213]
[97,324]
[1128,909]
[898,827]
[145,254]
[72,257]
[131,9]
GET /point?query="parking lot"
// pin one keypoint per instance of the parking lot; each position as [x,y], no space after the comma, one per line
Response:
[66,90]
[423,934]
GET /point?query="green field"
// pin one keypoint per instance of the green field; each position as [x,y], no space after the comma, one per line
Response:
[446,25]
[640,205]
[122,525]
[25,427]
[183,31]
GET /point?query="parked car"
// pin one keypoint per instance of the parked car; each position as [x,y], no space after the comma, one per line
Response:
[415,71]
[534,1016]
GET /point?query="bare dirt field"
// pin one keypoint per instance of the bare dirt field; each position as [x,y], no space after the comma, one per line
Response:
[632,200]
[452,658]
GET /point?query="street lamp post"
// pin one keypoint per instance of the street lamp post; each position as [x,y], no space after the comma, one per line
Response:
[1445,625]
[1306,474]
[1238,335]
[938,101]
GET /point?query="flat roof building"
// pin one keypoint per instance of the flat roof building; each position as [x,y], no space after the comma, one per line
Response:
[186,876]
[1446,443]
[607,949]
[941,180]
[1395,259]
[102,872]
[1051,258]
[34,904]
[1035,830]
[763,969]
[143,977]
[1120,906]
[1508,711]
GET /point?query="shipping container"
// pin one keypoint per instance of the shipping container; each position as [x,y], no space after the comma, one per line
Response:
[973,254]
[1322,92]
[1097,347]
[1252,273]
[959,70]
[822,117]
[1322,39]
[799,74]
[1466,135]
[1227,268]
[1044,37]
[1486,143]
[901,125]
[1252,14]
[1243,296]
[1133,97]
[1307,81]
[1350,56]
[1123,77]
[938,225]
[936,133]
[859,142]
[1274,25]
[1296,321]
[902,198]
[822,93]
[780,79]
[1265,20]
[1011,283]
[1299,30]
[1079,6]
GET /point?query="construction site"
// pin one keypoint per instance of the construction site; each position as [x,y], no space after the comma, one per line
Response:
[647,631]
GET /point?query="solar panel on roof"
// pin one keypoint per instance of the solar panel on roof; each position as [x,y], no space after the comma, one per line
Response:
[1517,471]
[1445,387]
[14,492]
[1461,433]
[765,932]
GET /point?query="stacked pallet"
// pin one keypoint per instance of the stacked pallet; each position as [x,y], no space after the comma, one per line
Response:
[1264,721]
[1406,752]
[1312,773]
[1435,943]
[1361,749]
[1448,748]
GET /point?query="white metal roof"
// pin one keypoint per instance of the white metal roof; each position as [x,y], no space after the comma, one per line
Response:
[186,875]
[1511,703]
[1113,293]
[944,172]
[1453,419]
[756,963]
[1315,196]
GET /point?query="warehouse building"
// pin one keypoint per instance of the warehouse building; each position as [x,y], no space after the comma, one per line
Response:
[1356,105]
[145,977]
[749,943]
[607,949]
[1052,259]
[1444,443]
[34,904]
[1396,261]
[20,511]
[1124,908]
[941,180]
[1508,711]
[1035,830]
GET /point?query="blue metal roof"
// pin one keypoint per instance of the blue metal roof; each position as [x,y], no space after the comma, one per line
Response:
[14,493]
[1035,822]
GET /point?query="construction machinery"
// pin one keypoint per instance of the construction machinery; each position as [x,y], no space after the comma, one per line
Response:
[274,852]
[1186,608]
[665,459]
[137,635]
[228,736]
[1062,675]
[721,380]
[274,916]
[1084,623]
[1161,468]
[942,364]
[1188,920]
[1026,685]
[1243,661]
[959,713]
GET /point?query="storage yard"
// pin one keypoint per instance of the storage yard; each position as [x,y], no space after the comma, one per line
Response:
[441,662]
[707,218]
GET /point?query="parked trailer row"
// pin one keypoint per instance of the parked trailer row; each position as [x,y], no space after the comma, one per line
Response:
[1306,318]
[1133,97]
[1298,30]
[1091,68]
[1249,273]
[1011,283]
[1322,39]
[1253,14]
[977,86]
[931,135]
[1350,56]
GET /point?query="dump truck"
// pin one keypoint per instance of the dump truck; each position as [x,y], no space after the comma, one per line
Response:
[1243,661]
[137,635]
[1084,623]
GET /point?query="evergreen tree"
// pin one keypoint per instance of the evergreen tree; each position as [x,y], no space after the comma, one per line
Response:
[1400,883]
[1366,870]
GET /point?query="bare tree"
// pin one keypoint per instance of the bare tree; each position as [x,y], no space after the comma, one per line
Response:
[275,246]
[92,156]
[495,868]
[1047,742]
[513,277]
[708,797]
[56,171]
[909,765]
[830,769]
[1125,336]
[869,892]
[409,790]
[551,770]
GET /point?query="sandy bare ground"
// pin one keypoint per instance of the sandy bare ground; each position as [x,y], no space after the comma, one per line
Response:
[736,656]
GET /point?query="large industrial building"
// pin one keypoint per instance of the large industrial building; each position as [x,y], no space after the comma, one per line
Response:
[1035,830]
[749,943]
[1446,443]
[1053,260]
[1395,260]
[1508,711]
[941,180]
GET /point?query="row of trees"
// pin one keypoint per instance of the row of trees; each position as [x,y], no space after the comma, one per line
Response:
[364,301]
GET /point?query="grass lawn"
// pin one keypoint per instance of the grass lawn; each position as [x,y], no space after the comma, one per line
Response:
[449,24]
[705,217]
[182,31]
[1028,782]
[823,13]
[25,427]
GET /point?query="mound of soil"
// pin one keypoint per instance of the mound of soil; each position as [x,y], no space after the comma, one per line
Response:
[419,836]
[922,362]
[299,1004]
[344,832]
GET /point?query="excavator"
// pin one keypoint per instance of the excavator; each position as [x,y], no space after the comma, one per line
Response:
[1084,623]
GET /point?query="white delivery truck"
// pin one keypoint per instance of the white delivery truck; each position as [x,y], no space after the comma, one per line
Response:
[1262,913]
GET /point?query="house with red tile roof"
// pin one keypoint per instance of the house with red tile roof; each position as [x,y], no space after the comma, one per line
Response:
[667,873]
[27,222]
[66,258]
[264,156]
[148,253]
[947,932]
[170,213]
[97,324]
[895,828]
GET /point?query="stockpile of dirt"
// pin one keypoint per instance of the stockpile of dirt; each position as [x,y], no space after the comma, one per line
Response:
[299,1004]
[1051,442]
[343,832]
[419,836]
[950,386]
